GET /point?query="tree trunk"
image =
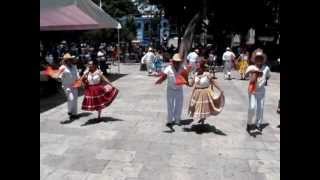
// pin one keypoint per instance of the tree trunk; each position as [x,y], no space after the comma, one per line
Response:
[179,31]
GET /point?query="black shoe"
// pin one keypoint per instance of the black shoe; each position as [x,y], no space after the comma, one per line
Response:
[259,128]
[178,123]
[201,121]
[248,128]
[73,117]
[170,126]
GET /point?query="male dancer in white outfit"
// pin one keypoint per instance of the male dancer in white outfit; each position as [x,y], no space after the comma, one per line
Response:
[192,59]
[174,92]
[228,58]
[68,73]
[259,73]
[149,59]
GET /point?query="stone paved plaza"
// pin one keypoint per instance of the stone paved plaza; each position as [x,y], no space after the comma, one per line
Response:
[133,143]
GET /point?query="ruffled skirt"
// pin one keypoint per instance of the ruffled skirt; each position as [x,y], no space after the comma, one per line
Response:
[205,102]
[97,97]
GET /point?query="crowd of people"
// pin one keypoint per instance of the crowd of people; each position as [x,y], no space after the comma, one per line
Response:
[52,54]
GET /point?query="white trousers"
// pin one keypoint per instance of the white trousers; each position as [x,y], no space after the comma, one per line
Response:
[72,98]
[255,110]
[227,68]
[193,67]
[149,65]
[174,104]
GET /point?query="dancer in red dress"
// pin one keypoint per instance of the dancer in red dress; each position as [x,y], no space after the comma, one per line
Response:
[99,92]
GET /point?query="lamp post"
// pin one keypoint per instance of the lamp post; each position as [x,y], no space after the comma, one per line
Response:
[118,55]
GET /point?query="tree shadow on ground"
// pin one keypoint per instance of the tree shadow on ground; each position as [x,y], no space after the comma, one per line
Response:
[101,120]
[84,114]
[204,128]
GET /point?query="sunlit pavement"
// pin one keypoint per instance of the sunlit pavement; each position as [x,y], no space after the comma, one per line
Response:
[133,143]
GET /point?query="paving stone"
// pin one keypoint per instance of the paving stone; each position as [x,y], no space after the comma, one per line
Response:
[57,149]
[104,177]
[273,176]
[85,164]
[52,160]
[45,171]
[116,168]
[268,155]
[116,155]
[103,135]
[264,166]
[66,175]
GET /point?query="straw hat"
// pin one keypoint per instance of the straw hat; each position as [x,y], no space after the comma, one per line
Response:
[67,56]
[257,53]
[176,57]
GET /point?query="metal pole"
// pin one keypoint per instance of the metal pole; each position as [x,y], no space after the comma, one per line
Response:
[118,51]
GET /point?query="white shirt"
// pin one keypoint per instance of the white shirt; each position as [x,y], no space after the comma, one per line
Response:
[228,56]
[148,57]
[69,75]
[100,56]
[251,36]
[192,57]
[244,57]
[261,80]
[94,78]
[171,77]
[212,57]
[235,40]
[202,81]
[49,59]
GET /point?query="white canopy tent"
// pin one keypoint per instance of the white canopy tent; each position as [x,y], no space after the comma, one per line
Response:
[66,15]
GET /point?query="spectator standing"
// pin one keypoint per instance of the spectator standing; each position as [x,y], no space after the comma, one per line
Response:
[148,59]
[228,58]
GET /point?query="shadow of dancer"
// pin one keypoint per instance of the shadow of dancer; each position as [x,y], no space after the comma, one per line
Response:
[181,122]
[85,114]
[99,120]
[204,128]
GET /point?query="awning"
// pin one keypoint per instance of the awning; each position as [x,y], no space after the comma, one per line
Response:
[61,15]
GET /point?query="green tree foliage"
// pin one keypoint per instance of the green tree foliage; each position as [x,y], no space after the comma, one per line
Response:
[130,30]
[116,9]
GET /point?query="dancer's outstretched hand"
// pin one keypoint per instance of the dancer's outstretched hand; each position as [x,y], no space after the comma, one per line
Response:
[161,79]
